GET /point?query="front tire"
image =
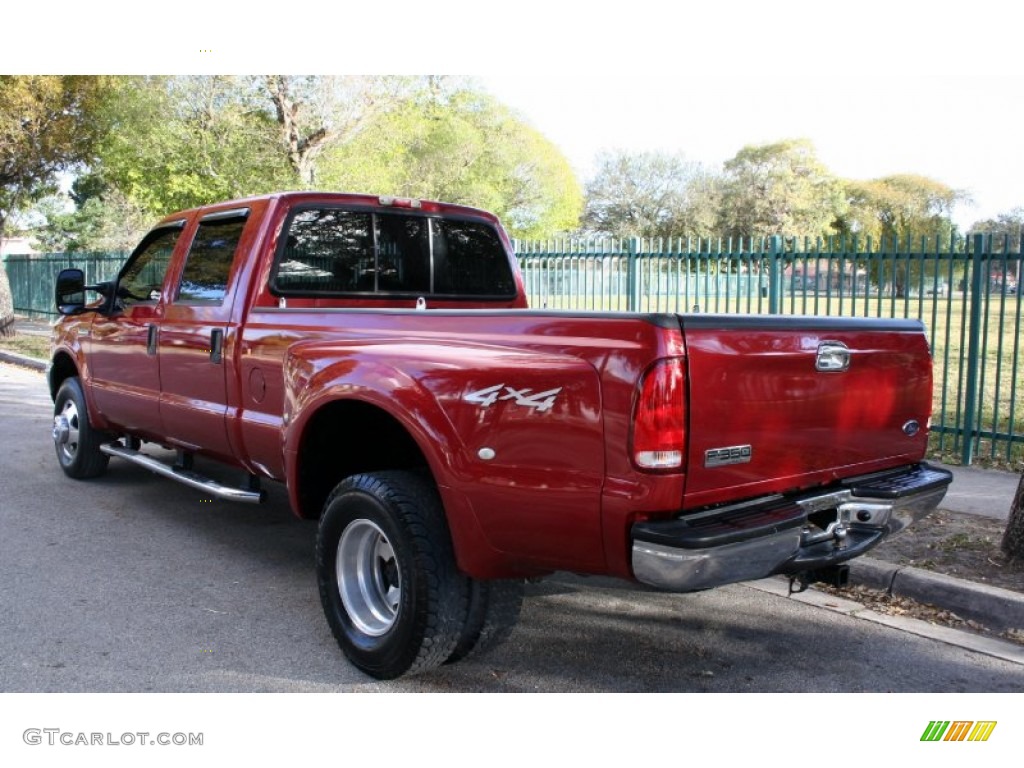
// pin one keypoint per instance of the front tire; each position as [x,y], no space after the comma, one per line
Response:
[76,440]
[386,571]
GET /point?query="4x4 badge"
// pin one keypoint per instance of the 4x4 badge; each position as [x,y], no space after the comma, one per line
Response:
[541,401]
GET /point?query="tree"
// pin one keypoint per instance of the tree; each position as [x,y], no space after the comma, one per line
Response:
[185,141]
[103,219]
[900,207]
[1006,229]
[48,125]
[1013,538]
[6,306]
[779,189]
[1008,223]
[179,142]
[650,194]
[1007,236]
[316,112]
[458,145]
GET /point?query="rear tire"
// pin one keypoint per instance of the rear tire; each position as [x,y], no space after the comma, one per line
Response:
[386,571]
[77,442]
[492,614]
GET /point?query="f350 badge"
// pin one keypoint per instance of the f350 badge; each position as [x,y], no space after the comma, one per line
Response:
[540,402]
[733,454]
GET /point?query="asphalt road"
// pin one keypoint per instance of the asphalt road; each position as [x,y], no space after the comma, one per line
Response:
[134,583]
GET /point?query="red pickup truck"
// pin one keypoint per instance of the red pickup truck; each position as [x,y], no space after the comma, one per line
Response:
[377,356]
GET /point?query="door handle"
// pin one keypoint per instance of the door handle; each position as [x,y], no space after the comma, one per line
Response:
[216,345]
[151,340]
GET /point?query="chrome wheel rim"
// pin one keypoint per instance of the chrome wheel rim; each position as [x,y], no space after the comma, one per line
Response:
[369,581]
[66,425]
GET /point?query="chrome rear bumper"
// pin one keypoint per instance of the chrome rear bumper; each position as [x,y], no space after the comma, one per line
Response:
[783,534]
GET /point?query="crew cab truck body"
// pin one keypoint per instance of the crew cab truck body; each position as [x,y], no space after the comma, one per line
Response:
[378,358]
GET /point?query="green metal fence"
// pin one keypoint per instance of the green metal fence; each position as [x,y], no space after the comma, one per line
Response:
[33,277]
[965,291]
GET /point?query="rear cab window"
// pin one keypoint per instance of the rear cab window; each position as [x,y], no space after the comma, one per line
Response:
[328,251]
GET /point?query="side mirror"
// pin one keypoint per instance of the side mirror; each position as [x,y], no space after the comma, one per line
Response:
[70,291]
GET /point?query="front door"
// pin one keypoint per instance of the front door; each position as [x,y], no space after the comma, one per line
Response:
[124,365]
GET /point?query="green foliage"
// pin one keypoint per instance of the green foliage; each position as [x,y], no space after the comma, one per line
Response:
[900,207]
[185,141]
[146,146]
[316,112]
[779,188]
[48,125]
[1006,230]
[651,194]
[460,147]
[104,220]
[171,143]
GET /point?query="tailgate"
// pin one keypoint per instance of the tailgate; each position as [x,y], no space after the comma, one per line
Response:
[785,403]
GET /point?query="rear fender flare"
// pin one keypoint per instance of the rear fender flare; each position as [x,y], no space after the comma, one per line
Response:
[373,380]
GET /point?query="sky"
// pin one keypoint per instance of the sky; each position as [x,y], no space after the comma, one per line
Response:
[965,131]
[879,86]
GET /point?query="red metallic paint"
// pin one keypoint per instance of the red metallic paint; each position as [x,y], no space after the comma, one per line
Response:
[806,427]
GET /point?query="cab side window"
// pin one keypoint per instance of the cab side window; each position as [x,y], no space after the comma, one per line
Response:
[143,276]
[209,260]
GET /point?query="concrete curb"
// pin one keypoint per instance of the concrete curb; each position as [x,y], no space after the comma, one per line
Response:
[998,609]
[27,362]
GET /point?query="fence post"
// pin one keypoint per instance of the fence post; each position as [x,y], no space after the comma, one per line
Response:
[633,276]
[973,352]
[774,276]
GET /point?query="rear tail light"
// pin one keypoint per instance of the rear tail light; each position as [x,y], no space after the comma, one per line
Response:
[659,418]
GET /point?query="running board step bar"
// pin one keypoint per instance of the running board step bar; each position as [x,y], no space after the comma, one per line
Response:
[186,476]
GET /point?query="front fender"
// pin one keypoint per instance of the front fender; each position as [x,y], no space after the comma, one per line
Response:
[68,358]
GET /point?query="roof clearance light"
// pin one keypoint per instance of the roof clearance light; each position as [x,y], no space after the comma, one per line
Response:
[401,202]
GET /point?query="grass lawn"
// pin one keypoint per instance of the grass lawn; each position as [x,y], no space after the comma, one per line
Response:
[28,345]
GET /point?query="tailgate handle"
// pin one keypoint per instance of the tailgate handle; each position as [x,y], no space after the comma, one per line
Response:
[216,345]
[151,339]
[832,356]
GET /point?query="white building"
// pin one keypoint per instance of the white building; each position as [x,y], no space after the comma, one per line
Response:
[16,246]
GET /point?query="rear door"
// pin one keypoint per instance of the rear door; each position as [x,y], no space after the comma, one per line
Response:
[784,403]
[195,335]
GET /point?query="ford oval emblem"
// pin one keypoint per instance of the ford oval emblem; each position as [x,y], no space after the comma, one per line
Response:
[911,428]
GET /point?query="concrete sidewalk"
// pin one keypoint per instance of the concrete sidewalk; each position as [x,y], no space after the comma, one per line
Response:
[974,491]
[979,491]
[32,326]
